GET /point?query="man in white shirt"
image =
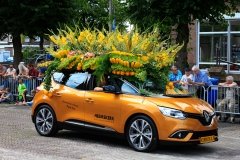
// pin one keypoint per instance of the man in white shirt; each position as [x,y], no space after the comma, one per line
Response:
[9,76]
[229,99]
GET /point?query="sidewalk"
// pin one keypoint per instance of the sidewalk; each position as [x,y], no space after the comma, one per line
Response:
[6,105]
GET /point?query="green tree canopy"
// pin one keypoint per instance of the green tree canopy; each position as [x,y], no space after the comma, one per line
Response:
[179,13]
[33,18]
[95,13]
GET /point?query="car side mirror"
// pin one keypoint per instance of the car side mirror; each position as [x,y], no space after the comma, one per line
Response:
[109,88]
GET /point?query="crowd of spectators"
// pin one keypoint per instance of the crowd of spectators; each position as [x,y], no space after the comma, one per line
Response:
[201,81]
[18,84]
[198,78]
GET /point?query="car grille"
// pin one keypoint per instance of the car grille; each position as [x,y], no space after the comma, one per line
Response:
[201,118]
[196,135]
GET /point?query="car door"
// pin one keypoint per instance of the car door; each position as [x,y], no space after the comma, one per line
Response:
[68,95]
[102,110]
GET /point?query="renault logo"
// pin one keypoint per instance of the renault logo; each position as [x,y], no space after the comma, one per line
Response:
[206,116]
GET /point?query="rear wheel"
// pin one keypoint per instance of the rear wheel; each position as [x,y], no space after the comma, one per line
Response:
[45,121]
[142,134]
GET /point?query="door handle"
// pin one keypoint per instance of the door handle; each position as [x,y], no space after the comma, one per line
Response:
[89,100]
[57,94]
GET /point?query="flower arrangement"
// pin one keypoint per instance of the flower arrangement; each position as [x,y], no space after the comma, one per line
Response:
[133,56]
[44,64]
[170,89]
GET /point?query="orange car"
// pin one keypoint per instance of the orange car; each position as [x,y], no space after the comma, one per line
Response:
[120,110]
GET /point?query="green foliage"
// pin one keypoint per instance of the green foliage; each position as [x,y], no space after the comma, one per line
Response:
[28,52]
[51,68]
[103,65]
[145,92]
[95,14]
[33,18]
[145,13]
[167,13]
[141,75]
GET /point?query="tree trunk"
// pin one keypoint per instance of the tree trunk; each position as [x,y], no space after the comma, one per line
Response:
[183,36]
[41,45]
[17,46]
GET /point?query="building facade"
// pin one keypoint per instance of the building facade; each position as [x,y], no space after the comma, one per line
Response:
[211,43]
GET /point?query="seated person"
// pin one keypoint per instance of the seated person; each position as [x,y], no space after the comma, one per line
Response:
[6,96]
[30,103]
[2,90]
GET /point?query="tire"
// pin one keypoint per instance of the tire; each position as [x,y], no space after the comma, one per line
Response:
[45,121]
[142,140]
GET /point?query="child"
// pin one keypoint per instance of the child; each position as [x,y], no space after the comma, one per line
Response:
[33,92]
[7,96]
[22,91]
[2,90]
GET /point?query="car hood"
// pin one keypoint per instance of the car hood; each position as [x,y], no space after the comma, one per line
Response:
[189,104]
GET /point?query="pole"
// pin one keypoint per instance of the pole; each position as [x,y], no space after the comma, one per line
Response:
[110,16]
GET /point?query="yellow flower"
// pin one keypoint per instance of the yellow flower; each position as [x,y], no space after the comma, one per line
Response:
[81,36]
[145,58]
[53,40]
[101,36]
[125,37]
[64,40]
[119,38]
[114,48]
[135,39]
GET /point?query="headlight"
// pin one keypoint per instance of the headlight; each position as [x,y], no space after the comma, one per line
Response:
[172,113]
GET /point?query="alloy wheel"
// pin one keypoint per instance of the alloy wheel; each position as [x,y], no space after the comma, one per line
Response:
[45,121]
[140,134]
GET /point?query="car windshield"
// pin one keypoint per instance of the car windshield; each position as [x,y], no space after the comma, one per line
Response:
[148,88]
[126,87]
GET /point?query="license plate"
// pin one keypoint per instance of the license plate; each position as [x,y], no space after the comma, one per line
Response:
[207,139]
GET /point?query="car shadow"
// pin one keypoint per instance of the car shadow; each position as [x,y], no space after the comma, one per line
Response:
[93,138]
[182,149]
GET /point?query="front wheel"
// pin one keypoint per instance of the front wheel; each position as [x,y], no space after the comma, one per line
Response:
[45,121]
[142,134]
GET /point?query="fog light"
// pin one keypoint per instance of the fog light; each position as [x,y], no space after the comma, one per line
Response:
[180,134]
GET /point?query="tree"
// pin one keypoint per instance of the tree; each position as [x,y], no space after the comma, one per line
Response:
[95,14]
[181,14]
[33,18]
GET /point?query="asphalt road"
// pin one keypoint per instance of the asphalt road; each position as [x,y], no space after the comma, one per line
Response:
[19,140]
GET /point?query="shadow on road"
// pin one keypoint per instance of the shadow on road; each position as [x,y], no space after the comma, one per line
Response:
[183,149]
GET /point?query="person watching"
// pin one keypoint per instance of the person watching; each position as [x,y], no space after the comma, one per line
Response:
[175,76]
[229,99]
[200,79]
[185,77]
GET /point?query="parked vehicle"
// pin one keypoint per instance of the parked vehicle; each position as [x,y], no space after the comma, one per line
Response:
[121,110]
[9,59]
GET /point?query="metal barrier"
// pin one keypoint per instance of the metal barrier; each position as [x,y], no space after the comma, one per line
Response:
[226,102]
[197,91]
[12,83]
[224,99]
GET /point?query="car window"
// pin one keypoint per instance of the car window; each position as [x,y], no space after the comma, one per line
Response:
[77,80]
[57,77]
[108,81]
[125,87]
